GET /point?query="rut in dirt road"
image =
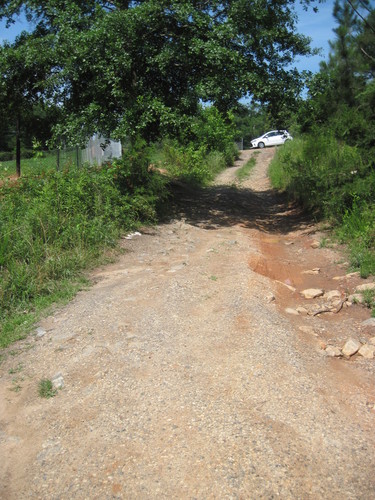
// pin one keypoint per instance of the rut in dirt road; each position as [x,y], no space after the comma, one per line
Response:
[181,380]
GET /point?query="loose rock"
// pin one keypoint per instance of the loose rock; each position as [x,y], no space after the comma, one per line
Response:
[312,293]
[351,347]
[333,351]
[316,270]
[308,329]
[367,351]
[356,298]
[372,341]
[369,322]
[315,244]
[58,381]
[332,294]
[302,311]
[364,287]
[40,332]
[270,298]
[354,274]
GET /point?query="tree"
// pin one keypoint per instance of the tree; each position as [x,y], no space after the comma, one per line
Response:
[366,45]
[23,70]
[130,68]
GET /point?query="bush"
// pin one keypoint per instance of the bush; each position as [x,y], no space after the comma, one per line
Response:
[322,174]
[215,131]
[192,164]
[186,163]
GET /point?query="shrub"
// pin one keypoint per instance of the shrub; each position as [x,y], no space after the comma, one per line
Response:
[321,173]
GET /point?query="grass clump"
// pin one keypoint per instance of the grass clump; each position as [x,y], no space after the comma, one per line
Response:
[46,389]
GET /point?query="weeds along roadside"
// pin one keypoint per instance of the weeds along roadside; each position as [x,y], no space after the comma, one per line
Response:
[54,226]
[335,182]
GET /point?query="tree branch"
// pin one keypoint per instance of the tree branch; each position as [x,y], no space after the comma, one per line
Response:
[360,15]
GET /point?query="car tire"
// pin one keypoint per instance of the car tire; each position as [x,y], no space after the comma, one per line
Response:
[261,145]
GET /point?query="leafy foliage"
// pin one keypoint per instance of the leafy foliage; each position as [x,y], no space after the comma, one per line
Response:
[140,68]
[208,148]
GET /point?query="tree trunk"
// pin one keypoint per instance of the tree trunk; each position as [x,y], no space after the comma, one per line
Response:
[18,146]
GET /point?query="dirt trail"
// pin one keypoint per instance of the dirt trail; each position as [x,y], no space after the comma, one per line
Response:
[182,380]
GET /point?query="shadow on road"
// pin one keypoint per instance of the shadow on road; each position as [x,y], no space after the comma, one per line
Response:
[225,206]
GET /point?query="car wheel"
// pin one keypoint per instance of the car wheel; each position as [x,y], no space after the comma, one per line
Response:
[261,145]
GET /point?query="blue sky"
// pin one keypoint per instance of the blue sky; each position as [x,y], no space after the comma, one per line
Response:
[318,26]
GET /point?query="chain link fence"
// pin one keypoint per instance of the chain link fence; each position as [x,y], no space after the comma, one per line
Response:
[97,151]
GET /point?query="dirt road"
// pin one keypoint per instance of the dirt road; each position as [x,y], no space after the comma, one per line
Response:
[183,378]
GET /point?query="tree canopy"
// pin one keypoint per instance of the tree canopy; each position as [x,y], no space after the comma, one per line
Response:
[130,68]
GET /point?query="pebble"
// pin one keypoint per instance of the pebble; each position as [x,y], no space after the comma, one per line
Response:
[312,293]
[289,310]
[40,332]
[351,347]
[270,298]
[315,244]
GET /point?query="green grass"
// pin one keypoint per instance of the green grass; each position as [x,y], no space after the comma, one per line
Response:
[244,172]
[45,389]
[18,324]
[36,166]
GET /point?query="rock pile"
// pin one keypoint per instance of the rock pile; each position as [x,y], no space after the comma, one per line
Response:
[351,347]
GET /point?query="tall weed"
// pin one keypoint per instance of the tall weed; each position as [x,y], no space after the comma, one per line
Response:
[358,230]
[55,225]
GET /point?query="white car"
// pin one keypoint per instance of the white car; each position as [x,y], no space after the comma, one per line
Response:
[272,138]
